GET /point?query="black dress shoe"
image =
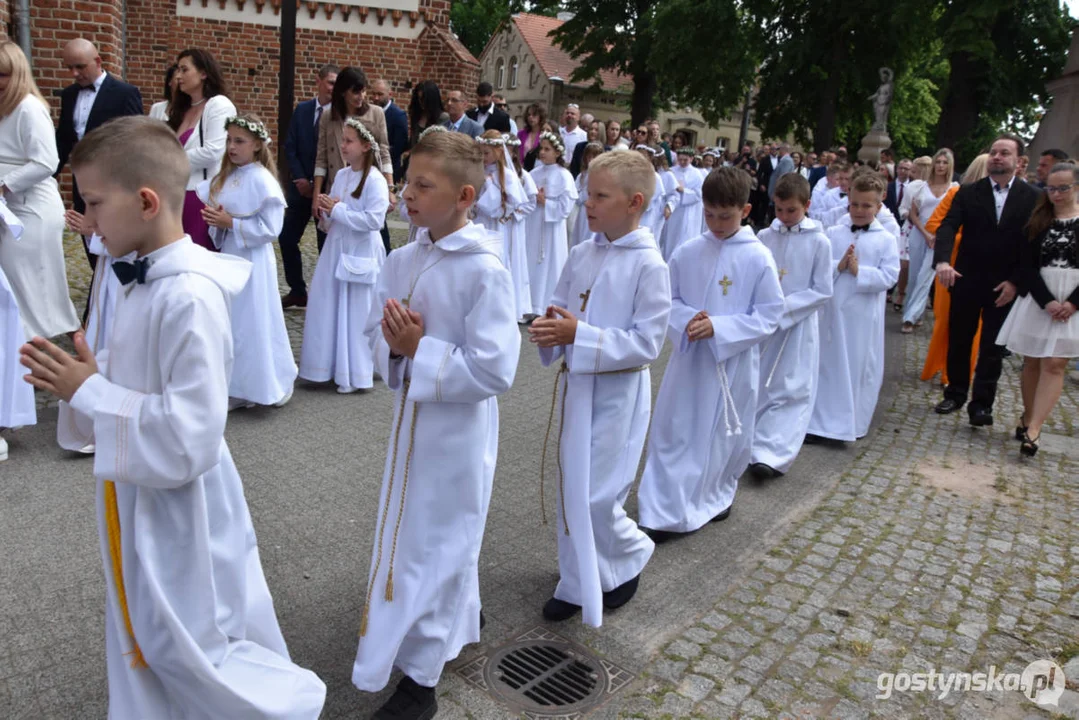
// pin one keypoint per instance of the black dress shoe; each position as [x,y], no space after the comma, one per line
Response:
[722,516]
[411,701]
[947,406]
[660,536]
[291,300]
[763,472]
[981,418]
[483,619]
[558,610]
[621,595]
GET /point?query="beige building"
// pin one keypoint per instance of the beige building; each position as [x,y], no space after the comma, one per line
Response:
[524,65]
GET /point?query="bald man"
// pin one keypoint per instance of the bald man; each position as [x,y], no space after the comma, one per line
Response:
[93,99]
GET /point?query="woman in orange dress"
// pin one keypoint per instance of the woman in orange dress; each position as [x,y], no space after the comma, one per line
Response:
[936,359]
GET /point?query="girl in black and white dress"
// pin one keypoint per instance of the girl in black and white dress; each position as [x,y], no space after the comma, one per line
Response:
[1042,326]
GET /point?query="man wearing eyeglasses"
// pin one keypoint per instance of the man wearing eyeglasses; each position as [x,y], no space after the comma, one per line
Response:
[500,104]
[572,133]
[485,113]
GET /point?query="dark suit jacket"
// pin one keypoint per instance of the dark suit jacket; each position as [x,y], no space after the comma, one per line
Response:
[991,251]
[115,99]
[301,146]
[397,130]
[497,119]
[764,173]
[891,199]
[815,174]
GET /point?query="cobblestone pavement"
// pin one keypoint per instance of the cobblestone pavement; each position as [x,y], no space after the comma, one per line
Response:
[928,545]
[938,549]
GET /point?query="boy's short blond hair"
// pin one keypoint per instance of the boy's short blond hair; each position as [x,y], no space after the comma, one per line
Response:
[867,181]
[630,170]
[460,156]
[136,152]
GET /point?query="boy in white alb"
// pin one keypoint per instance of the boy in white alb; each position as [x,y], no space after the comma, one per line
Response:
[190,627]
[789,358]
[605,323]
[685,222]
[445,340]
[725,301]
[865,264]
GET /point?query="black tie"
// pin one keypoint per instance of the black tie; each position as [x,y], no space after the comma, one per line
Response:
[87,88]
[856,228]
[128,271]
[997,187]
[318,115]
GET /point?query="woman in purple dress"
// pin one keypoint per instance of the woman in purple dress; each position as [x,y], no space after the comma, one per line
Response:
[198,114]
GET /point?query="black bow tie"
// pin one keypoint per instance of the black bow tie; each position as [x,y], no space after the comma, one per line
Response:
[856,228]
[842,194]
[128,271]
[88,88]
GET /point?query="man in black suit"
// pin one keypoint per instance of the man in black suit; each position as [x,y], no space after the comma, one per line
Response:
[93,99]
[397,132]
[485,112]
[301,145]
[993,214]
[896,188]
[595,134]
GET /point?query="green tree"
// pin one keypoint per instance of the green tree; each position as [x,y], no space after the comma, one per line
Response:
[1001,54]
[821,61]
[475,21]
[697,69]
[613,35]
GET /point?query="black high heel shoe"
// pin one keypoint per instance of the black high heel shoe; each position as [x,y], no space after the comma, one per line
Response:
[1020,430]
[1029,448]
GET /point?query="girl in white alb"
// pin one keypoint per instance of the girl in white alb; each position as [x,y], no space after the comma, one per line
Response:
[522,288]
[501,195]
[17,406]
[343,287]
[547,232]
[245,210]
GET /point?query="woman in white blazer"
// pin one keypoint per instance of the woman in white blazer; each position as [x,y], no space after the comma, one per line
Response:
[198,114]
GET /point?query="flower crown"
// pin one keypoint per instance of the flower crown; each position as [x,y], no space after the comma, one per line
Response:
[493,142]
[554,140]
[512,140]
[360,129]
[432,129]
[685,151]
[650,150]
[252,126]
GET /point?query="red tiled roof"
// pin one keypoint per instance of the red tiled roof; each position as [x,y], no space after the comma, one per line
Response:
[553,60]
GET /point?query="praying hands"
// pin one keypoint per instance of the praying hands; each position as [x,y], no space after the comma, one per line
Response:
[53,370]
[700,327]
[557,327]
[402,328]
[217,217]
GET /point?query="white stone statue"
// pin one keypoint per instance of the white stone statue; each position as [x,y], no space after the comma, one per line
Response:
[882,100]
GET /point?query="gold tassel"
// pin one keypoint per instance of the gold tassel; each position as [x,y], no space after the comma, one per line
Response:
[389,585]
[363,620]
[112,529]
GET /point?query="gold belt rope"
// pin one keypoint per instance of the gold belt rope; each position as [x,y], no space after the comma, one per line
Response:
[386,509]
[563,370]
[112,530]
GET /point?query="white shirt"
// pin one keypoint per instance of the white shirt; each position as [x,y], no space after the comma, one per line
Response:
[481,117]
[1000,194]
[570,139]
[513,126]
[84,103]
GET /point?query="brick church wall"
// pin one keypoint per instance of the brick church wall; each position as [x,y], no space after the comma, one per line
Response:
[248,52]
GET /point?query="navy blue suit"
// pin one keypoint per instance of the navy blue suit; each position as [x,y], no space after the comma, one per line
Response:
[891,199]
[397,132]
[815,174]
[301,144]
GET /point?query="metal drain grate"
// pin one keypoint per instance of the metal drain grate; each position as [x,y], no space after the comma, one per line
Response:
[544,676]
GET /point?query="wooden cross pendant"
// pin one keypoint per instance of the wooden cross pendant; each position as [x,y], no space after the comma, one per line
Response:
[584,298]
[726,283]
[407,301]
[782,274]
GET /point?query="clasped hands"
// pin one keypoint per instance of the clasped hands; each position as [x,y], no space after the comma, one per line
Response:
[217,217]
[402,328]
[849,262]
[557,327]
[1060,311]
[700,327]
[53,370]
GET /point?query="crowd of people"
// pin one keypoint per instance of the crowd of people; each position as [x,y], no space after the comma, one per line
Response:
[770,276]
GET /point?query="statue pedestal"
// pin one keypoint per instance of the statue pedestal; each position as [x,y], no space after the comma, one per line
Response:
[872,144]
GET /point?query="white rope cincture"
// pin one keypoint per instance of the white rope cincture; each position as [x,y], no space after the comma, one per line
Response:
[779,357]
[729,407]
